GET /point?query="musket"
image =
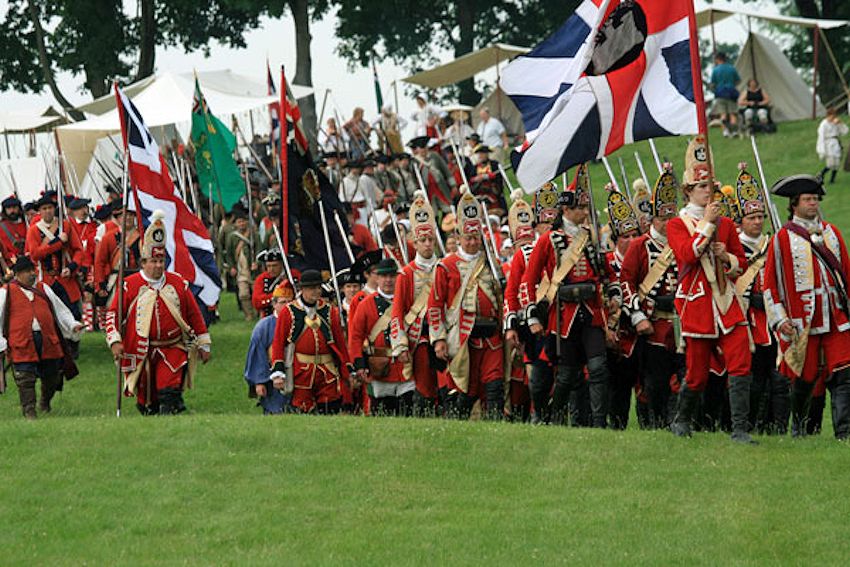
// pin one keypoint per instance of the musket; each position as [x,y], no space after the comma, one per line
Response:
[596,257]
[610,173]
[772,213]
[498,276]
[3,373]
[331,263]
[655,156]
[250,209]
[402,244]
[286,267]
[344,235]
[626,187]
[642,170]
[251,150]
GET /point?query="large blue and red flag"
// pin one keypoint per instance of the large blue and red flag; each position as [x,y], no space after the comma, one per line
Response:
[274,110]
[616,72]
[189,248]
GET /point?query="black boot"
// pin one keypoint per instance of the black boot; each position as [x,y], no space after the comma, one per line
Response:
[597,369]
[494,393]
[564,378]
[48,390]
[832,177]
[405,404]
[540,381]
[688,402]
[801,395]
[170,401]
[780,401]
[26,393]
[422,406]
[739,407]
[839,394]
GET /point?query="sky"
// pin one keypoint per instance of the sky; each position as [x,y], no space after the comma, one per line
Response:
[275,39]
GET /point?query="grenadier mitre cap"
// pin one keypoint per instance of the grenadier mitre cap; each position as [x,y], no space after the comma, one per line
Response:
[520,218]
[664,202]
[156,237]
[621,215]
[421,216]
[697,166]
[578,193]
[750,196]
[469,213]
[546,203]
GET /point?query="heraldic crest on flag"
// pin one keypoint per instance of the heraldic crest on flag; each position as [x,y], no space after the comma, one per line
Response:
[616,72]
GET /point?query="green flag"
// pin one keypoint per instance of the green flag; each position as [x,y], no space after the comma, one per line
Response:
[379,97]
[218,173]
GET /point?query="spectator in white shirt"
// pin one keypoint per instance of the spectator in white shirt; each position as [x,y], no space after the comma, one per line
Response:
[492,133]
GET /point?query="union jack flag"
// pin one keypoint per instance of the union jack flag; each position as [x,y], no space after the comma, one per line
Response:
[616,72]
[189,248]
[274,109]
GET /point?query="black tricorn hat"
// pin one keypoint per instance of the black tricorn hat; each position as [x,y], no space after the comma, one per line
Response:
[23,263]
[418,142]
[801,184]
[366,261]
[311,278]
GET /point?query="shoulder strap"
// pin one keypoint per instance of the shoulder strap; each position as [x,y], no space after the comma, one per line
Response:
[380,325]
[756,263]
[656,272]
[419,303]
[566,262]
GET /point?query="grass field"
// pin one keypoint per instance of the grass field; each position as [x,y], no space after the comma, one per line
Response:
[224,485]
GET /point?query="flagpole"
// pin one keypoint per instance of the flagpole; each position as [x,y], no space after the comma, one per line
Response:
[122,261]
[284,161]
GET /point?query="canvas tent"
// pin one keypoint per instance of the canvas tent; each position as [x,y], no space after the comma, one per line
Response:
[501,106]
[791,97]
[466,66]
[165,101]
[715,14]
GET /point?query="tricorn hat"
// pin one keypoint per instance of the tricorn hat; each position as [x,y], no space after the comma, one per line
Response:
[23,263]
[386,267]
[801,184]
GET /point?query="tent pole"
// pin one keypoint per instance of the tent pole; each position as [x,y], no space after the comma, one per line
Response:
[713,38]
[815,73]
[752,48]
[6,136]
[834,61]
[498,80]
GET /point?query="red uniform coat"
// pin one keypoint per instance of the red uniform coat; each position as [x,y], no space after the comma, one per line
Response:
[544,261]
[757,317]
[360,327]
[13,237]
[410,282]
[799,288]
[514,284]
[698,308]
[326,339]
[21,312]
[50,255]
[641,255]
[107,256]
[163,339]
[625,332]
[261,297]
[86,231]
[361,236]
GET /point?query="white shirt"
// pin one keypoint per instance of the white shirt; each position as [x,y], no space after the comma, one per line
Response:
[491,132]
[66,320]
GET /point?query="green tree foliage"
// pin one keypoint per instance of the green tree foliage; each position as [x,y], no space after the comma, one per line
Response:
[413,33]
[98,40]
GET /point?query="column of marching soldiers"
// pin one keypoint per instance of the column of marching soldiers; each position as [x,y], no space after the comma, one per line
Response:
[699,316]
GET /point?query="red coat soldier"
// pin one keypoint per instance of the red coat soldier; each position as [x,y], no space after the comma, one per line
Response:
[107,255]
[709,257]
[369,346]
[309,355]
[540,374]
[621,338]
[464,316]
[13,230]
[769,395]
[805,292]
[568,307]
[162,332]
[266,283]
[58,254]
[409,327]
[648,280]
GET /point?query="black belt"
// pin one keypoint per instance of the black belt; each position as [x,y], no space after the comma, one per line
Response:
[576,292]
[665,303]
[757,301]
[484,327]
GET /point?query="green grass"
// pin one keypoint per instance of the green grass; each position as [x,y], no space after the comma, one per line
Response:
[224,485]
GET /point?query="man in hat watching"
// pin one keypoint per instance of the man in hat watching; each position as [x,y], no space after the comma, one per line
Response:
[805,295]
[13,230]
[240,257]
[163,332]
[648,280]
[571,315]
[268,281]
[434,172]
[709,256]
[257,365]
[464,318]
[309,354]
[58,254]
[408,327]
[33,322]
[486,181]
[390,391]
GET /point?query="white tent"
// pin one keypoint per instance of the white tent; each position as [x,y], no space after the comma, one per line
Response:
[165,102]
[27,175]
[791,97]
[466,66]
[717,13]
[503,108]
